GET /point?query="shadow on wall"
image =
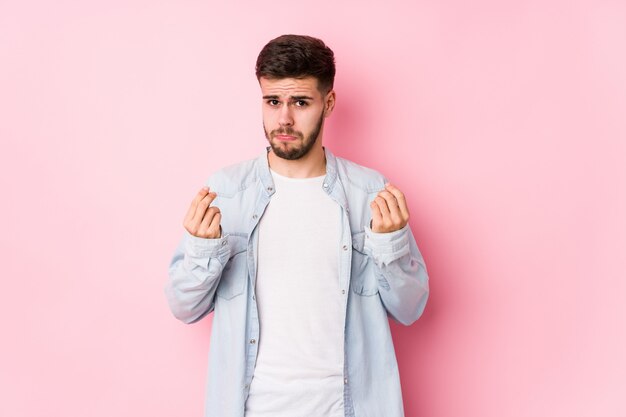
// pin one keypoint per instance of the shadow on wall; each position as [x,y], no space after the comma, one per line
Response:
[347,130]
[430,351]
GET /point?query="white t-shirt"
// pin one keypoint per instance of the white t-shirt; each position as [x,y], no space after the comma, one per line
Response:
[299,368]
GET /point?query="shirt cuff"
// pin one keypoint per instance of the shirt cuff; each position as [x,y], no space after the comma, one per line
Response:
[200,249]
[385,248]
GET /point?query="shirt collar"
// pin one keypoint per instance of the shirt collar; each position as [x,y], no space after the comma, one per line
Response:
[263,170]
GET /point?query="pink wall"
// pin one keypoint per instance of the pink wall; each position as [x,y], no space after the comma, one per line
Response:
[503,122]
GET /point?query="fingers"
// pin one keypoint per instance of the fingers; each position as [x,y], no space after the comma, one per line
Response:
[389,210]
[202,219]
[194,204]
[210,223]
[383,205]
[392,209]
[203,206]
[377,217]
[215,230]
[384,223]
[400,199]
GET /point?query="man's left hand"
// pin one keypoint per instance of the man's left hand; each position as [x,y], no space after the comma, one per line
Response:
[389,210]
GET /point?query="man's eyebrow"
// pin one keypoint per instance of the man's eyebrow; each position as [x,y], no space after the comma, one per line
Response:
[293,98]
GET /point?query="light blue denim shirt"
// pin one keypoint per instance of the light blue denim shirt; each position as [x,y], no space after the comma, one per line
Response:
[381,275]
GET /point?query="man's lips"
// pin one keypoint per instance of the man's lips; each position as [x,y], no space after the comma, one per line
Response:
[285,137]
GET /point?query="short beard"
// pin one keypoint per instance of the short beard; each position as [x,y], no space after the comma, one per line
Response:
[295,153]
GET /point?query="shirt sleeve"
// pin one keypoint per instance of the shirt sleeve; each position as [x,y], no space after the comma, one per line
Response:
[194,273]
[385,248]
[400,271]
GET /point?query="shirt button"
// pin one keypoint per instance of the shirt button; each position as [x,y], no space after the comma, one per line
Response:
[252,341]
[247,386]
[325,185]
[345,247]
[269,189]
[253,297]
[343,291]
[223,242]
[345,380]
[254,216]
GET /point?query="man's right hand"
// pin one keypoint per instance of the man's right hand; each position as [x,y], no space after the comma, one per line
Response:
[202,219]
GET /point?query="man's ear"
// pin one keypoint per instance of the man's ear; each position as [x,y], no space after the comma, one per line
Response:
[329,103]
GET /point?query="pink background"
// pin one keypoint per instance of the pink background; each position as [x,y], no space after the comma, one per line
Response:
[503,122]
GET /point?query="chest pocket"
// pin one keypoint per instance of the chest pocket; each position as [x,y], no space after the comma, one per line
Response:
[235,272]
[363,280]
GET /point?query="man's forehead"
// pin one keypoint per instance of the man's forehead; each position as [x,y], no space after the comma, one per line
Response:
[289,86]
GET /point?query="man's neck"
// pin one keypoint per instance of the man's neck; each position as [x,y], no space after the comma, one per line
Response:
[313,164]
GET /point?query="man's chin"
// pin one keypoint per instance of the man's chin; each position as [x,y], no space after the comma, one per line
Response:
[286,151]
[290,155]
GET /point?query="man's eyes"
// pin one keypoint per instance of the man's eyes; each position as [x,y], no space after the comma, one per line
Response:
[297,103]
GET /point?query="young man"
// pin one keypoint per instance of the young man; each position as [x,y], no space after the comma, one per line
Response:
[302,256]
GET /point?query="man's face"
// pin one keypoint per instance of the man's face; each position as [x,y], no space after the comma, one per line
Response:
[293,114]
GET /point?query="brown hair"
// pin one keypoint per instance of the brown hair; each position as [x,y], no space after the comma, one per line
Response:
[297,56]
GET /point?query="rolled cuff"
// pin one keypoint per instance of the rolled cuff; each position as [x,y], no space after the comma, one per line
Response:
[200,250]
[385,248]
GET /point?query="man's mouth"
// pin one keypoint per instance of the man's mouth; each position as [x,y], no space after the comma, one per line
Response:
[286,138]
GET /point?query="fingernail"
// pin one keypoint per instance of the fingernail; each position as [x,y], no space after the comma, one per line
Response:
[205,188]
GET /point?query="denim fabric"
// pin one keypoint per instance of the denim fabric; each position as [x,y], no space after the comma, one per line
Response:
[381,275]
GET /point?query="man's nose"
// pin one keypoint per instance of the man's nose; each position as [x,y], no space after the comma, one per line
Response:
[285,118]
